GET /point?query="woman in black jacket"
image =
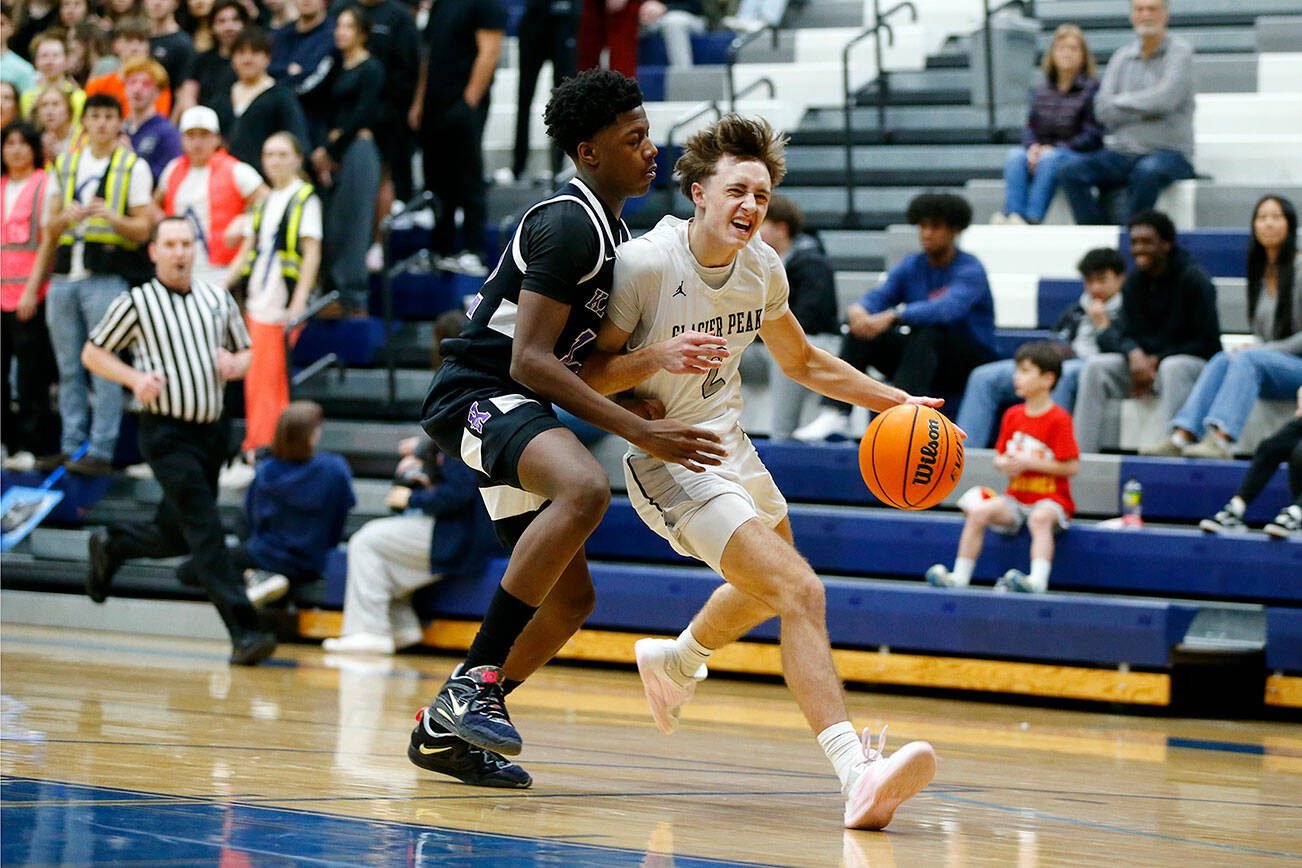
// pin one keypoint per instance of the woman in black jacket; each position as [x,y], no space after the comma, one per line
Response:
[346,158]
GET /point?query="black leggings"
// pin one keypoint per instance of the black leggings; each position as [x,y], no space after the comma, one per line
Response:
[1284,445]
[923,361]
[549,30]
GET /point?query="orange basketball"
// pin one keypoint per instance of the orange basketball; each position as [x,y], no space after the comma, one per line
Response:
[911,457]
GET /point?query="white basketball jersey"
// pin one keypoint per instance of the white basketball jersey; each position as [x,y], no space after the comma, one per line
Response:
[661,291]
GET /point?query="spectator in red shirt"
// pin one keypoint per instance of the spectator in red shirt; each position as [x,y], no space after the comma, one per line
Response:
[1037,450]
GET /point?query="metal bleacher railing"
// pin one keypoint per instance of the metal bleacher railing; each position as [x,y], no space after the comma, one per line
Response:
[875,31]
[734,52]
[1027,7]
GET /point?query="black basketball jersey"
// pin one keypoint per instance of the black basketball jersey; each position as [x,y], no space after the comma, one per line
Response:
[564,248]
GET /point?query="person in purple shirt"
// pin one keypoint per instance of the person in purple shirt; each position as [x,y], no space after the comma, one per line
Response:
[153,137]
[1060,126]
[930,323]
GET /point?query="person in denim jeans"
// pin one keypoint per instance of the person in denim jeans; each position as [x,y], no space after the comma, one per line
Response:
[990,387]
[1146,102]
[1060,126]
[92,240]
[1270,367]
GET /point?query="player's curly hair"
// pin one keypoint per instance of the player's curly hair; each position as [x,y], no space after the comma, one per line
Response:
[734,135]
[949,209]
[586,103]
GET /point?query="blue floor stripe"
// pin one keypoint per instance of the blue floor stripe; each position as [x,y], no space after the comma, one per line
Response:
[49,822]
[1227,746]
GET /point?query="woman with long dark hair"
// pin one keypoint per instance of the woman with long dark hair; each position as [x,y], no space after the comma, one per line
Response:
[1270,366]
[346,158]
[33,429]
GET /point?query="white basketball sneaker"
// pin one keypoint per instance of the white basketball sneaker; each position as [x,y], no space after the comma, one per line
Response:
[885,784]
[667,690]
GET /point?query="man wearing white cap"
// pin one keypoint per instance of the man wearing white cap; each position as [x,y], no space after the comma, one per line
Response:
[211,189]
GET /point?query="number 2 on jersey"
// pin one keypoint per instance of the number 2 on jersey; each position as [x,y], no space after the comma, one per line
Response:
[713,382]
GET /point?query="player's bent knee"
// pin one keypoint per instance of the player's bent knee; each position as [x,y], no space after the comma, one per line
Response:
[804,595]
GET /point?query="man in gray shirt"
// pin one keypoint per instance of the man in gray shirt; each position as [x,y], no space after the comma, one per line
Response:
[1146,102]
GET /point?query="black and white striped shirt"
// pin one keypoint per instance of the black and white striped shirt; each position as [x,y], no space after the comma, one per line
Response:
[178,335]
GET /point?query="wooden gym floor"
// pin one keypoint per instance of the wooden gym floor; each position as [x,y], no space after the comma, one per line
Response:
[140,750]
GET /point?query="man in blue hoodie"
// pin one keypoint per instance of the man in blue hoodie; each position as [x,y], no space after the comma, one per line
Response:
[930,323]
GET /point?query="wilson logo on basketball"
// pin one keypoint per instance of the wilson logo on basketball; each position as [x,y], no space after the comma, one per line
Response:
[927,454]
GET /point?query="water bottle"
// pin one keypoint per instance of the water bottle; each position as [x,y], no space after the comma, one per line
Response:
[1132,503]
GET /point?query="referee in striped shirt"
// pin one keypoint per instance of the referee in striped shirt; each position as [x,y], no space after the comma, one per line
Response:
[187,338]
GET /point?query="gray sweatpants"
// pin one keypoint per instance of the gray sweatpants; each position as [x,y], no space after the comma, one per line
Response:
[1106,377]
[388,559]
[349,218]
[787,398]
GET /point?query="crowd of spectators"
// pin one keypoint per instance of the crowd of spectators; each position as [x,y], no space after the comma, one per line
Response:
[283,132]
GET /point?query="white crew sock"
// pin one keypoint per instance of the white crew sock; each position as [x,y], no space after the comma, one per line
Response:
[1237,505]
[1179,438]
[692,655]
[845,751]
[962,572]
[1039,577]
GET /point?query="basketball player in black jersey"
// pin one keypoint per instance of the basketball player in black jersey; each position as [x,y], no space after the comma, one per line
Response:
[530,328]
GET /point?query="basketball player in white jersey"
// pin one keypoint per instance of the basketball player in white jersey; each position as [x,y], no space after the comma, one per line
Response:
[715,274]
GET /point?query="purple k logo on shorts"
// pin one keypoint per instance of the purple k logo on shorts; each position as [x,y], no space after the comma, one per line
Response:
[476,419]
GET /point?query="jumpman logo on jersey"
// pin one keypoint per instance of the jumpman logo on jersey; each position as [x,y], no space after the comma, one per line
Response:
[679,291]
[476,419]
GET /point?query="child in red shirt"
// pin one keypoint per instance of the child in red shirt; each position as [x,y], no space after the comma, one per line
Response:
[1037,449]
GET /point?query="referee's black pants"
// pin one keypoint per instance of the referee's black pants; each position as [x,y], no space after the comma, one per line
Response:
[186,458]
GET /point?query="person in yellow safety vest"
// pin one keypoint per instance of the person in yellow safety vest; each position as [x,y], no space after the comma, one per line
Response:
[281,257]
[92,240]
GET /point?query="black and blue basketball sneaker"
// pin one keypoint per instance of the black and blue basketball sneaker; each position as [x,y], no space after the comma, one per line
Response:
[435,749]
[472,705]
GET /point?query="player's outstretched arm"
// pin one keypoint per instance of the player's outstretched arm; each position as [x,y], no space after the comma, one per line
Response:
[822,372]
[534,365]
[609,370]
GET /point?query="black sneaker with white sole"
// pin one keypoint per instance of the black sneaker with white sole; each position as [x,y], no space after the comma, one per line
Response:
[472,705]
[435,749]
[1225,521]
[1287,524]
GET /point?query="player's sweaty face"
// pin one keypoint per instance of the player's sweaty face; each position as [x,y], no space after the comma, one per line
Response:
[735,200]
[626,153]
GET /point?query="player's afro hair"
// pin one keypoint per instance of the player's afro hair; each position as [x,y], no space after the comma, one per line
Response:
[946,208]
[586,103]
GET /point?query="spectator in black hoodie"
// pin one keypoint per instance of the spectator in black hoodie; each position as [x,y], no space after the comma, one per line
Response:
[256,106]
[1167,330]
[812,299]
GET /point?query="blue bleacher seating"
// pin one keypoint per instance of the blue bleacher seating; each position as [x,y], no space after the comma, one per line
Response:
[1189,490]
[1008,340]
[355,341]
[1284,639]
[1055,297]
[1223,252]
[419,296]
[1157,560]
[1064,627]
[80,493]
[652,79]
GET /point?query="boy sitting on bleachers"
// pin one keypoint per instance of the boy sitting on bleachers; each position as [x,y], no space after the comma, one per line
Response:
[1037,449]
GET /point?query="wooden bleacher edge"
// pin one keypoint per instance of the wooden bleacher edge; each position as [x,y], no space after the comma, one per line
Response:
[1284,691]
[867,667]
